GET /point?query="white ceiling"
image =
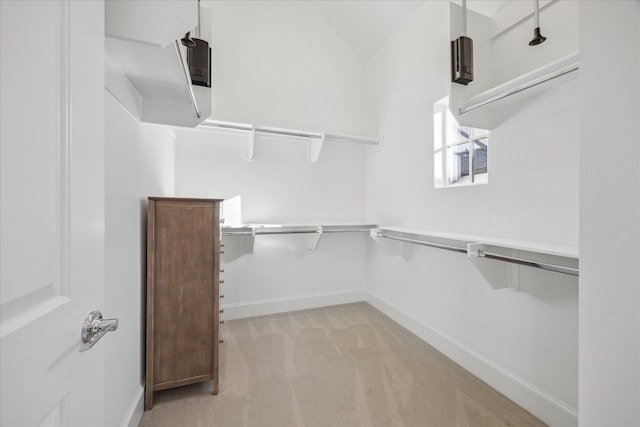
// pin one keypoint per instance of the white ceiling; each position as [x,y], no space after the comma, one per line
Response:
[365,25]
[485,7]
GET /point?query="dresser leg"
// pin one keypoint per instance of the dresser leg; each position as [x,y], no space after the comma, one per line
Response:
[148,399]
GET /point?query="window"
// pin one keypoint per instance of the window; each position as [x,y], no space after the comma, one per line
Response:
[460,153]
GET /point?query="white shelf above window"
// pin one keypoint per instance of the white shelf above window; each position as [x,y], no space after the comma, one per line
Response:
[562,69]
[145,64]
[508,75]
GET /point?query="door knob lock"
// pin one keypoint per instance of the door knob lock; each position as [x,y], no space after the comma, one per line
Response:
[94,328]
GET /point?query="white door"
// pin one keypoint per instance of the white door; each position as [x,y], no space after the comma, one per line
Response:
[52,211]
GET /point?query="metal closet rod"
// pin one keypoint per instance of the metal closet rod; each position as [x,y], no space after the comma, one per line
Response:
[514,260]
[346,230]
[541,265]
[542,79]
[422,243]
[289,132]
[258,232]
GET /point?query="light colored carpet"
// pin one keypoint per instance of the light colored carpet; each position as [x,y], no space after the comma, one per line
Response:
[346,365]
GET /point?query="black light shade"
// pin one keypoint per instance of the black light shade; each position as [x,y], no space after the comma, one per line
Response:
[537,37]
[199,61]
[188,41]
[462,60]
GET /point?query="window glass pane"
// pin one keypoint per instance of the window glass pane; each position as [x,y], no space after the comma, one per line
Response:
[453,148]
[454,132]
[437,169]
[437,130]
[451,134]
[480,159]
[458,164]
[462,133]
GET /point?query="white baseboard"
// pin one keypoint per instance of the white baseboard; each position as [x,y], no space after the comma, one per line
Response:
[134,414]
[534,400]
[282,305]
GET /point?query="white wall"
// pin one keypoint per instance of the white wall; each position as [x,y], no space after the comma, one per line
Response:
[139,163]
[511,54]
[281,187]
[523,343]
[610,214]
[279,63]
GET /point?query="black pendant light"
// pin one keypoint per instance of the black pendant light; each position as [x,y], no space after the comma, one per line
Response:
[537,37]
[462,54]
[187,40]
[198,57]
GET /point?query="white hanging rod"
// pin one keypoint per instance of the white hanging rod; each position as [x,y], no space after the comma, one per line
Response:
[187,77]
[237,233]
[524,86]
[288,132]
[306,229]
[422,240]
[346,230]
[537,264]
[268,233]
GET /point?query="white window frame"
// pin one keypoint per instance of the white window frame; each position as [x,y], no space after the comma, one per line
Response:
[443,145]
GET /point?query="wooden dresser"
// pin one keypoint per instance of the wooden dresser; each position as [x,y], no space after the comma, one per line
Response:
[183,263]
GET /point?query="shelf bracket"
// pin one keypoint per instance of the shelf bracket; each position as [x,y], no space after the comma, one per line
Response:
[251,142]
[233,247]
[498,274]
[314,239]
[315,146]
[393,248]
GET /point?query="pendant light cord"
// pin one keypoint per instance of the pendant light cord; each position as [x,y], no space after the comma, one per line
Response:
[198,31]
[464,18]
[537,36]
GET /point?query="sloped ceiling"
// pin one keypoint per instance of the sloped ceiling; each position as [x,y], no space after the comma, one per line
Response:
[365,25]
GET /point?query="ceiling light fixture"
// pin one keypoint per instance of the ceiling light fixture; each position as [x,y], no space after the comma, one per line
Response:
[537,37]
[199,58]
[462,54]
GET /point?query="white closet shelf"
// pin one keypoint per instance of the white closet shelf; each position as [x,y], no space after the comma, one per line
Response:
[153,83]
[258,229]
[557,258]
[475,107]
[145,67]
[316,139]
[242,238]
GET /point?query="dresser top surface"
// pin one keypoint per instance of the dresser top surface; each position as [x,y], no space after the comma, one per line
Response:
[183,199]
